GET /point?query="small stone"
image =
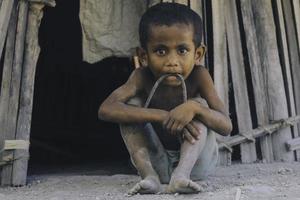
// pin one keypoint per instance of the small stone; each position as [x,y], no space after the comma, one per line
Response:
[176,194]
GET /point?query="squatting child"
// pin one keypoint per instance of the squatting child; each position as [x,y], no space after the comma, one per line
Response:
[170,142]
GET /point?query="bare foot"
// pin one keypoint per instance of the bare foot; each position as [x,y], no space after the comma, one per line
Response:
[149,185]
[184,185]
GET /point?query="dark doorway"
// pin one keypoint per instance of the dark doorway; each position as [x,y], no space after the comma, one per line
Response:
[65,129]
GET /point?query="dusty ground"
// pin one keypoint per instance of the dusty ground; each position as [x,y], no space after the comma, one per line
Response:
[256,181]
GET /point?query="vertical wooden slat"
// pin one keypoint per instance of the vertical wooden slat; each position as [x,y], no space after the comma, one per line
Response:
[5,13]
[296,11]
[257,78]
[294,56]
[5,132]
[284,53]
[275,92]
[27,86]
[220,65]
[248,149]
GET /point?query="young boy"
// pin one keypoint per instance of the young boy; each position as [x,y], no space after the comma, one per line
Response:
[170,37]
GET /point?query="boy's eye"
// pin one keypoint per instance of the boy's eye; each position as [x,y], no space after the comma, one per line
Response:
[182,51]
[160,52]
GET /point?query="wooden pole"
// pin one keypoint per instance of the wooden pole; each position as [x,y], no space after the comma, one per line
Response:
[257,78]
[248,150]
[5,13]
[296,11]
[27,86]
[272,72]
[220,65]
[5,131]
[261,132]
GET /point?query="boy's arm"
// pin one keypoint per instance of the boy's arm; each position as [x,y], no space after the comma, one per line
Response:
[214,116]
[115,109]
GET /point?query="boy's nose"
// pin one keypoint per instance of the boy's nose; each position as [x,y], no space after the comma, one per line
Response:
[172,60]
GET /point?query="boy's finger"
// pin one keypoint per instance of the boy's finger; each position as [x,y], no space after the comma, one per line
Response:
[177,127]
[194,132]
[170,124]
[195,126]
[188,136]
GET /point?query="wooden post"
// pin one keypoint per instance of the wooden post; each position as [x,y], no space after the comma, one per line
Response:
[276,96]
[257,78]
[6,130]
[220,65]
[27,86]
[296,11]
[248,150]
[5,13]
[285,55]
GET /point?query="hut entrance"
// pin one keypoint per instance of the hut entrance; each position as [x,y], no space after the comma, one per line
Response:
[65,129]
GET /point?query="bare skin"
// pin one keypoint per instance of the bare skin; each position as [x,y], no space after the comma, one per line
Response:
[170,49]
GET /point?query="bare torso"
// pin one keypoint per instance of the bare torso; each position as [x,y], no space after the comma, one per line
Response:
[167,98]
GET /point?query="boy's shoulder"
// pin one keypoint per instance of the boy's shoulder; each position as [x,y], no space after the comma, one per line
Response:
[198,73]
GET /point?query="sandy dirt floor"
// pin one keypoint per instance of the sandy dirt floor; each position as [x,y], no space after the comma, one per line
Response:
[255,181]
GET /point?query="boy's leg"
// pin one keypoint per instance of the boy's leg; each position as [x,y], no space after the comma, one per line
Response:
[189,154]
[208,158]
[147,154]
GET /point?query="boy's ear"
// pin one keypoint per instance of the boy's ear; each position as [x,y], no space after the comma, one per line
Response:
[143,58]
[199,55]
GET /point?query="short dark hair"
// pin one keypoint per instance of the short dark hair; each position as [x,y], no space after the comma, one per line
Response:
[169,14]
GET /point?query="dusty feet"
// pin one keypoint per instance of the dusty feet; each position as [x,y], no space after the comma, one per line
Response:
[149,185]
[183,185]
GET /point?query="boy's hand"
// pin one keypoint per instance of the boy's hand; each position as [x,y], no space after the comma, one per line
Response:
[191,132]
[179,117]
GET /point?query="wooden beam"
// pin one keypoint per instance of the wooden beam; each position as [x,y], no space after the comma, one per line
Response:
[248,150]
[220,65]
[31,54]
[293,144]
[5,13]
[260,132]
[257,78]
[272,73]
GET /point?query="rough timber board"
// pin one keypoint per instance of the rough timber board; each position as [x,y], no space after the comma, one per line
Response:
[5,13]
[31,53]
[293,50]
[256,75]
[274,86]
[285,55]
[296,11]
[5,130]
[220,65]
[248,150]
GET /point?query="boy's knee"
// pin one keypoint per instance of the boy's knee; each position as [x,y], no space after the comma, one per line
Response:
[140,153]
[200,126]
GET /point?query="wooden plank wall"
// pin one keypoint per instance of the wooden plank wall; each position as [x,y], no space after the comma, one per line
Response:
[256,42]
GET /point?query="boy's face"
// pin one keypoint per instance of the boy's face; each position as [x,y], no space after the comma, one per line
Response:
[170,49]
